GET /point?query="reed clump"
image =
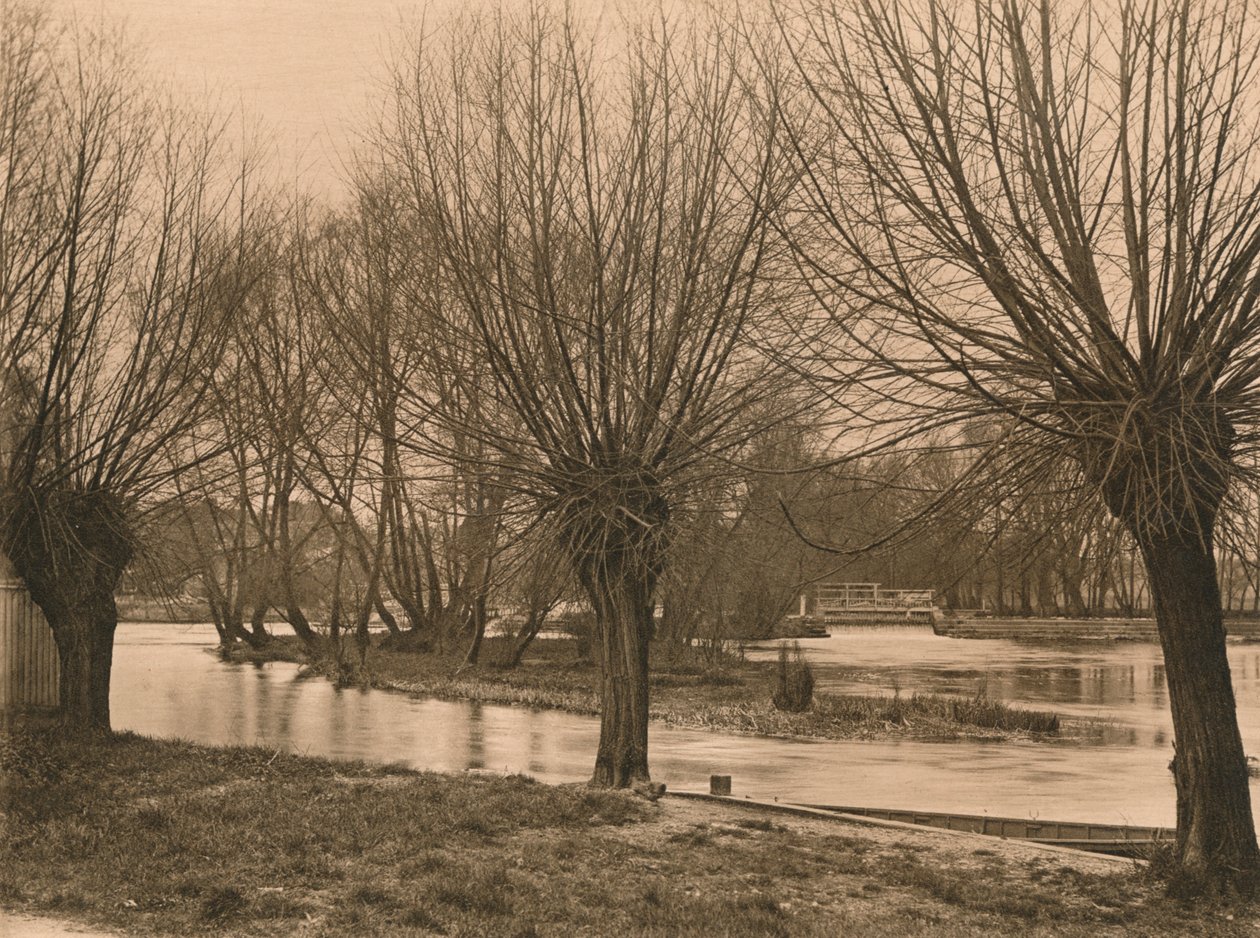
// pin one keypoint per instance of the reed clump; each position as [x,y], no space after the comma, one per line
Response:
[794,681]
[980,710]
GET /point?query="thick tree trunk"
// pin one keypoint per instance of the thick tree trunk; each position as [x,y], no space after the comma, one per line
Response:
[72,580]
[103,628]
[619,548]
[623,628]
[1216,837]
[85,650]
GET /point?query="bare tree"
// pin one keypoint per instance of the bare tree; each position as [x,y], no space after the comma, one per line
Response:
[122,260]
[599,210]
[1051,213]
[436,521]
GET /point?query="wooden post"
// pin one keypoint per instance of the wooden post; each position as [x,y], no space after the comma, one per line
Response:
[719,784]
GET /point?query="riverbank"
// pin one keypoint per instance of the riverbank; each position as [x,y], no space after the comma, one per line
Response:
[690,688]
[168,838]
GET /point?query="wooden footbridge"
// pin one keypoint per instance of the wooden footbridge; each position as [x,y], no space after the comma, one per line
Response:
[867,604]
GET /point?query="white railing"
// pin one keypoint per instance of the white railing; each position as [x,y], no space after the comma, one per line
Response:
[850,598]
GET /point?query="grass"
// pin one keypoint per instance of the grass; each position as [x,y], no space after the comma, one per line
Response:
[691,688]
[169,838]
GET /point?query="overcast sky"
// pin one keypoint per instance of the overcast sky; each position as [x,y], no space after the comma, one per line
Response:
[305,70]
[308,71]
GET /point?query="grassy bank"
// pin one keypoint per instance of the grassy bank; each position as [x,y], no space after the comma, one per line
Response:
[689,688]
[169,838]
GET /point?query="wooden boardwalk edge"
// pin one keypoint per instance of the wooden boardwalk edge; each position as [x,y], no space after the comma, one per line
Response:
[784,807]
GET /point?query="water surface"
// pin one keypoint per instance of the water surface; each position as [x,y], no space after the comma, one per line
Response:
[1121,683]
[166,684]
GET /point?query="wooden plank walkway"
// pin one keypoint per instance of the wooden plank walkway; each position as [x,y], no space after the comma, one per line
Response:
[1126,851]
[1111,839]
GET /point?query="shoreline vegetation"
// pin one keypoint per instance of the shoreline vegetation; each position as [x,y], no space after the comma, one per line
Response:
[170,838]
[691,686]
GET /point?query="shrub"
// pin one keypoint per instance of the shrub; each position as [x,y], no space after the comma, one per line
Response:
[794,687]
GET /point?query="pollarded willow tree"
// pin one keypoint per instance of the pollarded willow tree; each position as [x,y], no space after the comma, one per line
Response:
[1050,213]
[118,268]
[599,215]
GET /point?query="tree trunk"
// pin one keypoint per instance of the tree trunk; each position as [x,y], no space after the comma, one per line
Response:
[525,637]
[478,615]
[999,575]
[1072,598]
[234,625]
[1047,601]
[226,620]
[217,617]
[301,625]
[85,651]
[623,627]
[387,617]
[72,580]
[258,626]
[1216,838]
[102,668]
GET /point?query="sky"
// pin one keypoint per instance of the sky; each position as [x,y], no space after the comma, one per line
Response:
[306,73]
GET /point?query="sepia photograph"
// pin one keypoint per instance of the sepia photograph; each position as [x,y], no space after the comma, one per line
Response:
[531,468]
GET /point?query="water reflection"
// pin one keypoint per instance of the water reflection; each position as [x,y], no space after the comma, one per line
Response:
[167,685]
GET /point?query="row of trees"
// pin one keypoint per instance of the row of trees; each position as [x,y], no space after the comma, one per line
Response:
[585,278]
[734,575]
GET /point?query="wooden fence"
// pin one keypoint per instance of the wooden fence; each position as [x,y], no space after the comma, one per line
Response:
[29,668]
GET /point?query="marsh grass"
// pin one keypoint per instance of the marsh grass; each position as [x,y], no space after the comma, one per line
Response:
[170,838]
[982,711]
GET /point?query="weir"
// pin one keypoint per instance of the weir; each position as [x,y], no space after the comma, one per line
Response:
[1074,630]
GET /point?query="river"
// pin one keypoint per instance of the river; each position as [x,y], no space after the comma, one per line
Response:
[1121,683]
[166,684]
